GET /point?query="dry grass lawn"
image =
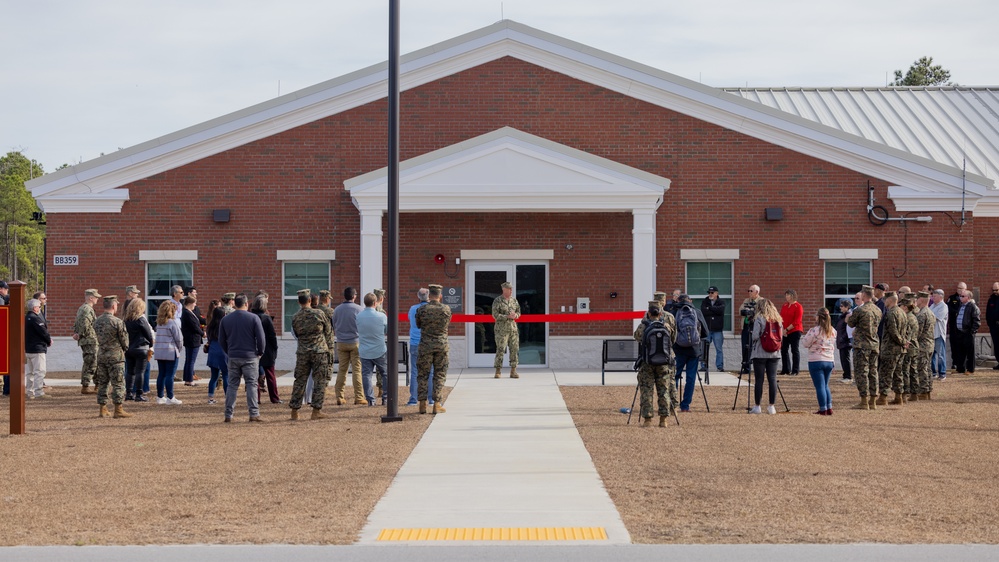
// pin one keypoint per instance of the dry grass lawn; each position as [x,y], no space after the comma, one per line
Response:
[926,472]
[177,474]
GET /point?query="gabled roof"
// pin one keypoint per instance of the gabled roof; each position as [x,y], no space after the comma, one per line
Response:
[61,190]
[510,170]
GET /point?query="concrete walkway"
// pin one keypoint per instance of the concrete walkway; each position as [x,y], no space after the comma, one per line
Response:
[505,455]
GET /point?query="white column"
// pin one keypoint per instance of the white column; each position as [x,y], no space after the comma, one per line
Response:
[643,266]
[371,251]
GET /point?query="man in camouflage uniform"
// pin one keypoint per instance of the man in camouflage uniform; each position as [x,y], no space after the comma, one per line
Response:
[864,321]
[506,311]
[315,340]
[226,305]
[324,305]
[433,321]
[658,376]
[926,319]
[910,361]
[893,348]
[83,333]
[112,342]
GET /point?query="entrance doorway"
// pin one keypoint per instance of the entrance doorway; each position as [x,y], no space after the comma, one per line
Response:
[530,288]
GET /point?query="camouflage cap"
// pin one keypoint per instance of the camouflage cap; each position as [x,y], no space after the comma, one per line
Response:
[867,288]
[506,285]
[909,295]
[890,294]
[132,289]
[305,292]
[324,294]
[92,293]
[923,295]
[435,289]
[659,296]
[654,304]
[110,300]
[905,302]
[229,295]
[378,292]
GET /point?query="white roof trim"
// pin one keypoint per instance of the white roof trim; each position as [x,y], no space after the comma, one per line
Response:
[109,201]
[510,171]
[911,201]
[505,38]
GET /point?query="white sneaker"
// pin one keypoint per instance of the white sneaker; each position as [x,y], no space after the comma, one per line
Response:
[175,402]
[755,410]
[771,410]
[161,401]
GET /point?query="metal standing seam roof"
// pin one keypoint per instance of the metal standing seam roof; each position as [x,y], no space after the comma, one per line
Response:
[944,124]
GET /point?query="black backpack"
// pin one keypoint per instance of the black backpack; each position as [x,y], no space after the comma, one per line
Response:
[688,330]
[656,348]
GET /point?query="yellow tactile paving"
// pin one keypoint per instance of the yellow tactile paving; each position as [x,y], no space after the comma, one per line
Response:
[496,534]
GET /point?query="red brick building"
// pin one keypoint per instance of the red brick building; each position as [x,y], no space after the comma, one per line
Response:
[571,172]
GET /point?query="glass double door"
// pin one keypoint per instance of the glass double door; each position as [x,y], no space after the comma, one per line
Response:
[530,288]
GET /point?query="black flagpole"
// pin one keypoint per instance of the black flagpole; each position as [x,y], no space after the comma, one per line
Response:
[392,306]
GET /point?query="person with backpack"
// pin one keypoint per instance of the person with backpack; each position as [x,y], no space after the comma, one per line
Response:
[767,339]
[691,328]
[656,364]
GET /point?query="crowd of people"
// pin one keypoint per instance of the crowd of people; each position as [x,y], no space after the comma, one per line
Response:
[888,341]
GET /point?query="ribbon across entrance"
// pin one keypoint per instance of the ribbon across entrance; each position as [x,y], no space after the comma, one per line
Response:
[546,318]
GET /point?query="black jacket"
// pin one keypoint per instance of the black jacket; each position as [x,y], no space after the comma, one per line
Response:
[36,334]
[270,340]
[190,329]
[714,314]
[972,319]
[842,339]
[140,334]
[953,303]
[992,312]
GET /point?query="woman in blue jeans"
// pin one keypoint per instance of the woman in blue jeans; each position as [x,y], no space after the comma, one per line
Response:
[820,342]
[166,351]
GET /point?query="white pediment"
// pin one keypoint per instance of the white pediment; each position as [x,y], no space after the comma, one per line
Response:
[509,170]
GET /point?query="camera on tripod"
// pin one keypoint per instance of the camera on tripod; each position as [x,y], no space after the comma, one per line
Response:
[748,309]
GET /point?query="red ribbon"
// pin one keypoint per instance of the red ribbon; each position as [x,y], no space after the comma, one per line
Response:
[524,318]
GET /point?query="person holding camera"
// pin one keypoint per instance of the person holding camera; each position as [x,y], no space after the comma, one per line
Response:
[764,361]
[748,313]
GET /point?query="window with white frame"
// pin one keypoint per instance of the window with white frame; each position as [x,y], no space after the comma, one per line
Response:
[843,280]
[701,275]
[301,275]
[160,276]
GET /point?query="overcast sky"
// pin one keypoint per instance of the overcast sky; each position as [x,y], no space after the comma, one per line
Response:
[86,77]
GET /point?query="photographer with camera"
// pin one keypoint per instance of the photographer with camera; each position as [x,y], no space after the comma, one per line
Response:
[748,313]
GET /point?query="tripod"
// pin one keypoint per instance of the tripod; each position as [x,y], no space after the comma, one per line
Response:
[746,369]
[679,389]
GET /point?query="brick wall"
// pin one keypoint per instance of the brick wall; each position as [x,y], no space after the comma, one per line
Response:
[286,192]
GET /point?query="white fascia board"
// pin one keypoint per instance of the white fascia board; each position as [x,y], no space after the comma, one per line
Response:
[987,206]
[105,202]
[911,201]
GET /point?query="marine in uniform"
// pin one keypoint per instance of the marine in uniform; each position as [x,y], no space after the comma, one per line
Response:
[83,333]
[315,340]
[226,305]
[893,347]
[657,377]
[911,360]
[379,306]
[864,321]
[925,319]
[506,311]
[112,342]
[433,321]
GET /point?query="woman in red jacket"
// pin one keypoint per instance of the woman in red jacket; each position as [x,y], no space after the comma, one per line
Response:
[791,313]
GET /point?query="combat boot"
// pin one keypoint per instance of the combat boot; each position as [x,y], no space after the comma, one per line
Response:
[120,412]
[439,408]
[513,373]
[872,402]
[662,421]
[317,414]
[647,422]
[498,373]
[913,397]
[104,413]
[898,399]
[882,400]
[863,404]
[87,390]
[423,406]
[929,396]
[924,396]
[294,414]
